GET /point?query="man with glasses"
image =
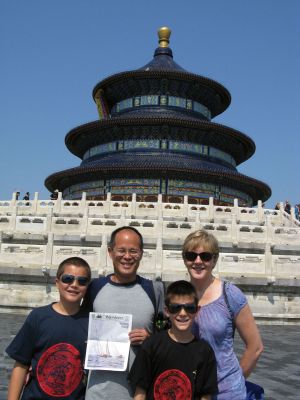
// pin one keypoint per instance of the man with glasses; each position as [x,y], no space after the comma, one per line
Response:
[123,292]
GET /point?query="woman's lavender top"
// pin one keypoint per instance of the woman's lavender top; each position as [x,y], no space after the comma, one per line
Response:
[214,324]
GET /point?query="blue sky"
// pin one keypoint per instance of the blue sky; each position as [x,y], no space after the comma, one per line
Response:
[54,52]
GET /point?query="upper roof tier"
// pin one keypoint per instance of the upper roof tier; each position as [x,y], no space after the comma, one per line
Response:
[163,76]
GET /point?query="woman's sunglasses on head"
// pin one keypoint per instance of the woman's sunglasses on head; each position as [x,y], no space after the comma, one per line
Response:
[69,279]
[205,255]
[175,308]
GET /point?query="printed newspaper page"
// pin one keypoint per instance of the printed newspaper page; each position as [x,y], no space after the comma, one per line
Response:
[108,342]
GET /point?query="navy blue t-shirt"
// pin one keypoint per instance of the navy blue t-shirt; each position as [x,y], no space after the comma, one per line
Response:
[54,345]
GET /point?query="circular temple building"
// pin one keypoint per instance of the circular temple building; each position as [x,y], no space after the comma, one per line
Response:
[155,136]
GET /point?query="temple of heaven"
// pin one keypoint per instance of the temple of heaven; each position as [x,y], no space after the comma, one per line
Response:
[154,136]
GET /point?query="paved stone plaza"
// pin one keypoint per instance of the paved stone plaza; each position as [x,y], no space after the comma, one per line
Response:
[278,370]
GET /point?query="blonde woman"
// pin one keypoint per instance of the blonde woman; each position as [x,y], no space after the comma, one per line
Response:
[223,307]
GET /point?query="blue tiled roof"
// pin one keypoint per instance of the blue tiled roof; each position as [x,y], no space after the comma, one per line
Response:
[163,60]
[161,112]
[157,160]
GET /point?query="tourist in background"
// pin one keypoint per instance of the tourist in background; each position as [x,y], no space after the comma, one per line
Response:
[297,209]
[26,196]
[54,195]
[52,342]
[287,207]
[223,307]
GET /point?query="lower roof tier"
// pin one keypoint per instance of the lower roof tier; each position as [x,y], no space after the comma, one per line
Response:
[128,168]
[172,190]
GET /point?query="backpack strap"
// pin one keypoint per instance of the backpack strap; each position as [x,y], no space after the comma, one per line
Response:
[159,292]
[155,291]
[147,285]
[225,285]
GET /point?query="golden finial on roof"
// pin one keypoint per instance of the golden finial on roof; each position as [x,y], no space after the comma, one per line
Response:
[164,34]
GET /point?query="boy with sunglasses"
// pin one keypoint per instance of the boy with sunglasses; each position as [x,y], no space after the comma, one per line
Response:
[173,364]
[52,341]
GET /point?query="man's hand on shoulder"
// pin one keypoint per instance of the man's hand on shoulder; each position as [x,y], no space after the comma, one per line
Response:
[137,336]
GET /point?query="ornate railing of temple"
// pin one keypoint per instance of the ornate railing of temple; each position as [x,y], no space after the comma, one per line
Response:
[260,248]
[254,241]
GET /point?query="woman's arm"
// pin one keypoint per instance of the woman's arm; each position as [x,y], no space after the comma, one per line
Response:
[17,381]
[140,394]
[250,335]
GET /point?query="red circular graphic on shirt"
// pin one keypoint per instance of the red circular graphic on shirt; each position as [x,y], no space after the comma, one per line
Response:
[59,370]
[172,385]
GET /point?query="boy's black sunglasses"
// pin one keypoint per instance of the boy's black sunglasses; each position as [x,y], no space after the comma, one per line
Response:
[175,308]
[191,255]
[68,279]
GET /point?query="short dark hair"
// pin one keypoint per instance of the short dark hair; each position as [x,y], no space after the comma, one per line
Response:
[77,261]
[180,288]
[112,240]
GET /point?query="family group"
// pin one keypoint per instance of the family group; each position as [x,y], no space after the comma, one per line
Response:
[181,341]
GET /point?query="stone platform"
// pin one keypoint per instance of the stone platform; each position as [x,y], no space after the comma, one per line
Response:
[278,369]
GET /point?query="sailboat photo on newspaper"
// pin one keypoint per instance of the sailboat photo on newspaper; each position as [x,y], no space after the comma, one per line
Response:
[108,341]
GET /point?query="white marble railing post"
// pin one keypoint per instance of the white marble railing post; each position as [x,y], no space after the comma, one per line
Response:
[269,230]
[49,250]
[123,216]
[281,210]
[159,208]
[35,201]
[83,200]
[133,204]
[49,219]
[293,213]
[260,212]
[85,211]
[234,230]
[57,203]
[185,206]
[236,209]
[103,267]
[197,221]
[211,209]
[14,214]
[107,203]
[13,199]
[268,260]
[84,226]
[159,258]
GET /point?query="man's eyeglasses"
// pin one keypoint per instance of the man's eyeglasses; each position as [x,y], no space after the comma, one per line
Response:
[131,252]
[69,279]
[205,255]
[175,308]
